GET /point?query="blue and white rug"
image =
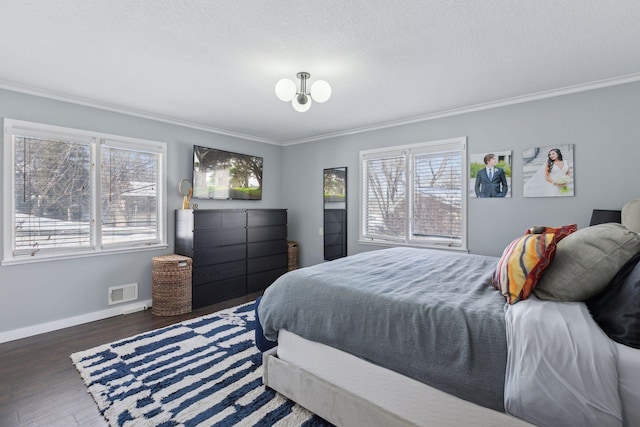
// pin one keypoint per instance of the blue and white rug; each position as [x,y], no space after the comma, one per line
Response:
[201,372]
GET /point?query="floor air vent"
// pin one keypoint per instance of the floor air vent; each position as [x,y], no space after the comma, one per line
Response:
[123,293]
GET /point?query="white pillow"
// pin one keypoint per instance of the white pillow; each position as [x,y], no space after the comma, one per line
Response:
[561,367]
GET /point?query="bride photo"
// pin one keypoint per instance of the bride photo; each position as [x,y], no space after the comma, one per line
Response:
[548,171]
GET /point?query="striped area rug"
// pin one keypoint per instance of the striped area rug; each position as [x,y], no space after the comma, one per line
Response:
[201,372]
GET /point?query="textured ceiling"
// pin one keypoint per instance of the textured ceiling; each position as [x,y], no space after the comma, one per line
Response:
[213,64]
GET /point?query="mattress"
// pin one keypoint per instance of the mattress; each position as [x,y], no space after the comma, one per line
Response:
[426,314]
[414,401]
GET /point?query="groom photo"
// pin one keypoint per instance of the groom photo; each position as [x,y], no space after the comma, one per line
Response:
[490,175]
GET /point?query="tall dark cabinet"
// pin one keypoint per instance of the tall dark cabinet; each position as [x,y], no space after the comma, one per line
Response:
[335,233]
[335,213]
[234,251]
[266,247]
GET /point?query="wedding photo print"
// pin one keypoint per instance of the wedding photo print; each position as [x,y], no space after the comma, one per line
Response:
[490,174]
[548,171]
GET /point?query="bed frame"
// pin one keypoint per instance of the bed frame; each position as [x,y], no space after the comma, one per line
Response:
[351,404]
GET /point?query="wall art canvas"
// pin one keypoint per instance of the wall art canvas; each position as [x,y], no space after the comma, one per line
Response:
[490,174]
[548,171]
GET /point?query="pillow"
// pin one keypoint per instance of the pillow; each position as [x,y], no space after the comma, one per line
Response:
[630,215]
[521,265]
[560,232]
[586,261]
[617,308]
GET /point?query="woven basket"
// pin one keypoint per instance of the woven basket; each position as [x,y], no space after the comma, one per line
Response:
[171,290]
[293,255]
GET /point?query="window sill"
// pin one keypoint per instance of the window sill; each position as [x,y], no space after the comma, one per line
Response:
[389,244]
[26,259]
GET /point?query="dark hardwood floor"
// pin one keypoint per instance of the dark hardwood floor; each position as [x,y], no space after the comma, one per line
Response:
[39,386]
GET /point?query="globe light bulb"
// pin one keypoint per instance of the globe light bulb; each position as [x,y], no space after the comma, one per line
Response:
[285,90]
[301,103]
[320,91]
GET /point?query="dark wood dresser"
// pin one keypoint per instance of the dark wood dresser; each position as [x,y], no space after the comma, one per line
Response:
[234,251]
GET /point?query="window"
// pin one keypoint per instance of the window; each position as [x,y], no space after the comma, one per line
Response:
[59,204]
[415,195]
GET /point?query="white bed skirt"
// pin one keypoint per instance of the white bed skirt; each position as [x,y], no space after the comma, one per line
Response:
[349,391]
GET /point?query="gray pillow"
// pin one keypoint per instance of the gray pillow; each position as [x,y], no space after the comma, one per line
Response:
[586,261]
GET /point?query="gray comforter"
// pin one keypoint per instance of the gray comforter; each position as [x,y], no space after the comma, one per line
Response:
[430,315]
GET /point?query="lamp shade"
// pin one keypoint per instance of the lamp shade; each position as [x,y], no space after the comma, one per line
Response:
[603,216]
[285,90]
[301,103]
[320,91]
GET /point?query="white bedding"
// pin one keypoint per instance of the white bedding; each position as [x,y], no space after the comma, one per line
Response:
[557,344]
[629,388]
[562,370]
[411,400]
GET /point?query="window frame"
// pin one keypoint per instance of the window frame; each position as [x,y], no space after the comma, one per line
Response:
[458,144]
[95,142]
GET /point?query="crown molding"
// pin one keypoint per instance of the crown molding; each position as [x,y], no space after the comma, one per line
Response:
[129,111]
[630,78]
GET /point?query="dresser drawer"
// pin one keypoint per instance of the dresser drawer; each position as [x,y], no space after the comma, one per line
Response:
[259,281]
[217,272]
[229,247]
[272,262]
[218,254]
[219,219]
[261,234]
[208,237]
[260,218]
[211,293]
[267,248]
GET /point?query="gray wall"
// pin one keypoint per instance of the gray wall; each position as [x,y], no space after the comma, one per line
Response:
[37,293]
[603,125]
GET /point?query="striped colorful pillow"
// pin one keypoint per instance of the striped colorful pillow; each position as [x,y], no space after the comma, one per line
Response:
[522,264]
[560,232]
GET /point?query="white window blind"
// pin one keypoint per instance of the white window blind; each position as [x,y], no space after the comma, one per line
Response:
[415,195]
[58,203]
[437,198]
[52,195]
[129,195]
[385,196]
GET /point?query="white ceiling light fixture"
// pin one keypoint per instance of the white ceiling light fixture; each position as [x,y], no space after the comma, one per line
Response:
[301,100]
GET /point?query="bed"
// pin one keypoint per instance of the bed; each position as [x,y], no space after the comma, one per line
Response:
[409,336]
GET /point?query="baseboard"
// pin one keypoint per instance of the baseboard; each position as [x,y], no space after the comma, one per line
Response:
[42,328]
